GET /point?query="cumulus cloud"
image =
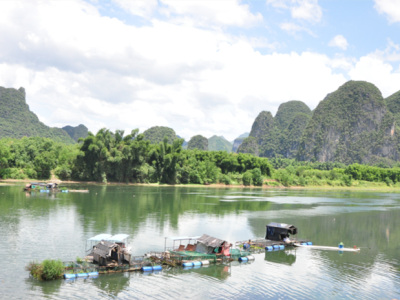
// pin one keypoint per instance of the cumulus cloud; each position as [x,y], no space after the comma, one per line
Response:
[142,8]
[196,79]
[196,12]
[339,41]
[372,69]
[390,8]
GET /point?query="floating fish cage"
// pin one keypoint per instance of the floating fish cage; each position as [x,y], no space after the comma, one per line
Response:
[74,270]
[236,254]
[182,256]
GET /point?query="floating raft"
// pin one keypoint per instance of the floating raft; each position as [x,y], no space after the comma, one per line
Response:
[326,248]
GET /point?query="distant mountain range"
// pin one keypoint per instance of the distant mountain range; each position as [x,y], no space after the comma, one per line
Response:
[352,124]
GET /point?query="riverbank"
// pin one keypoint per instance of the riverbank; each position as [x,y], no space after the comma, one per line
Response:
[356,185]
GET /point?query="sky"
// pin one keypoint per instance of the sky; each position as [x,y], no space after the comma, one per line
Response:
[205,67]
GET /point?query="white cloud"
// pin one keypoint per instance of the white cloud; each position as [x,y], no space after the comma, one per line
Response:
[103,72]
[339,41]
[294,29]
[373,69]
[196,12]
[390,8]
[308,10]
[142,8]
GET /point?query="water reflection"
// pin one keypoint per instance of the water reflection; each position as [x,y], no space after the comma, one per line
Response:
[56,226]
[287,257]
[112,284]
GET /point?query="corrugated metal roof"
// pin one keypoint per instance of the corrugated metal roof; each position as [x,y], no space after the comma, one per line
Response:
[181,238]
[100,237]
[210,241]
[118,238]
[280,225]
[103,248]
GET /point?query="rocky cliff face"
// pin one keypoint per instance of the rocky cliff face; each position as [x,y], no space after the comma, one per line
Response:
[352,124]
[17,121]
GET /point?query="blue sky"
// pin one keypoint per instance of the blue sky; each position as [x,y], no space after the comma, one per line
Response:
[200,67]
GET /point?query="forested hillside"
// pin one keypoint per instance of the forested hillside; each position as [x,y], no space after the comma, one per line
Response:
[157,134]
[17,121]
[77,132]
[280,135]
[198,142]
[219,143]
[352,124]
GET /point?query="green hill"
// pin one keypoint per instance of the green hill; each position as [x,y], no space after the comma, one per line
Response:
[279,135]
[351,125]
[393,104]
[287,111]
[219,143]
[198,142]
[77,132]
[156,134]
[238,141]
[17,121]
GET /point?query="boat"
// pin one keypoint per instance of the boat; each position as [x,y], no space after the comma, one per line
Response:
[41,186]
[49,187]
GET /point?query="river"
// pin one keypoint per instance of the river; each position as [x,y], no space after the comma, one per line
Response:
[37,226]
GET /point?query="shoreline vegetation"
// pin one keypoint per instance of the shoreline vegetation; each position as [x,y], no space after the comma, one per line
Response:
[113,158]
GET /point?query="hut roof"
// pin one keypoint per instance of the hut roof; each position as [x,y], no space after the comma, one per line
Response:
[104,248]
[210,241]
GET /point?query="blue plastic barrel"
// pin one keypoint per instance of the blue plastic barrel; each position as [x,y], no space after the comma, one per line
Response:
[281,247]
[187,264]
[243,259]
[276,246]
[196,263]
[82,275]
[304,244]
[157,268]
[269,248]
[69,276]
[309,243]
[147,269]
[93,274]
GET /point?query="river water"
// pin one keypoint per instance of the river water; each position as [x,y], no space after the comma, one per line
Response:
[38,226]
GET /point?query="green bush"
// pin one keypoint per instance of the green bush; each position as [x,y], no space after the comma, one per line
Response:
[47,270]
[52,269]
[257,177]
[247,178]
[224,179]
